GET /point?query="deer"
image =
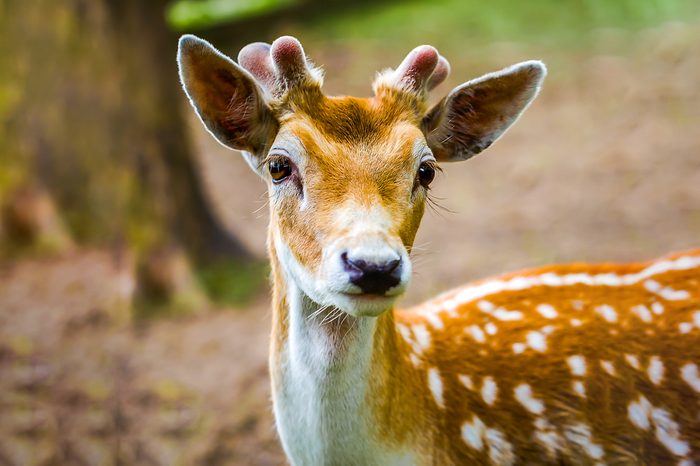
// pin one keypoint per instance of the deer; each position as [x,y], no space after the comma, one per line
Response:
[591,364]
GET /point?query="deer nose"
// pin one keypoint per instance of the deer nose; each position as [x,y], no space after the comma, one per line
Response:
[373,277]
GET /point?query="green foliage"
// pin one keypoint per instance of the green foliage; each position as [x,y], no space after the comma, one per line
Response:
[449,23]
[233,283]
[187,14]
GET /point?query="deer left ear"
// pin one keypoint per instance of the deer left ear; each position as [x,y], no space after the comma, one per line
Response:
[474,115]
[226,97]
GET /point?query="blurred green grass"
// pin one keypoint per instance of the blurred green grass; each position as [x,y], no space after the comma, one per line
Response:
[547,22]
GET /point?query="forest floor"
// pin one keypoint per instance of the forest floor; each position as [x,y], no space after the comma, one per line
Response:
[605,166]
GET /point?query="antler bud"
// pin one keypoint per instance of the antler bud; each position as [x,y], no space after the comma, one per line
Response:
[422,70]
[280,66]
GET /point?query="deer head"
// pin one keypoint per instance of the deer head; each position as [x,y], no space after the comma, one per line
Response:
[348,177]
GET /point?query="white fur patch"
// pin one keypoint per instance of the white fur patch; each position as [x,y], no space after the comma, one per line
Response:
[422,337]
[435,385]
[506,315]
[580,435]
[576,322]
[547,436]
[489,391]
[668,432]
[657,308]
[579,388]
[491,328]
[577,365]
[523,393]
[608,367]
[547,311]
[466,381]
[642,312]
[689,373]
[519,348]
[536,341]
[633,361]
[500,450]
[607,312]
[472,293]
[685,327]
[655,370]
[669,294]
[473,432]
[434,319]
[476,333]
[638,413]
[485,306]
[696,318]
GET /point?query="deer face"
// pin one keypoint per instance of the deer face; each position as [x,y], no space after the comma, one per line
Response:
[348,178]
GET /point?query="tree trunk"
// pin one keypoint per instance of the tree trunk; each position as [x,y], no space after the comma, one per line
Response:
[91,108]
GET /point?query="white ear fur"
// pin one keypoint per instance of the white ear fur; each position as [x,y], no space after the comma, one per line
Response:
[477,113]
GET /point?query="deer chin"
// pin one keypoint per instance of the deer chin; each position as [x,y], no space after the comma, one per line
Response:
[364,305]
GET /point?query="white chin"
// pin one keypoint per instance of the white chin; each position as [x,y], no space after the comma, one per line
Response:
[358,305]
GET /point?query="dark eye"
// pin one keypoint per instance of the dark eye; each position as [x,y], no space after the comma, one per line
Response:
[426,174]
[280,168]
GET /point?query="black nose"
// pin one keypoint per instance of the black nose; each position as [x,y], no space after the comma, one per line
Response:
[372,277]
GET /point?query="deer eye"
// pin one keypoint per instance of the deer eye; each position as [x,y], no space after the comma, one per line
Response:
[426,173]
[280,169]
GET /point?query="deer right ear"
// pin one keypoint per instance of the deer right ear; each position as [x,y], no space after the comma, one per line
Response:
[225,96]
[474,115]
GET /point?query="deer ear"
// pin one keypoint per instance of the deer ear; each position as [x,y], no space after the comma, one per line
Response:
[225,96]
[478,112]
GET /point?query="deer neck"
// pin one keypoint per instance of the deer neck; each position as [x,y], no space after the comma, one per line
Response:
[327,377]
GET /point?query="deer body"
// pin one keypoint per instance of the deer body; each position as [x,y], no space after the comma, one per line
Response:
[576,364]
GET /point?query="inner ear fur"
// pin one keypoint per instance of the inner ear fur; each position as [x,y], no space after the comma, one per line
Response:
[475,114]
[225,96]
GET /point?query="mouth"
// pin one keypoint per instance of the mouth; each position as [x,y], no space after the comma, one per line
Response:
[366,304]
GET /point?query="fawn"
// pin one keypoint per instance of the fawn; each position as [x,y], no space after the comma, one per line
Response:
[569,364]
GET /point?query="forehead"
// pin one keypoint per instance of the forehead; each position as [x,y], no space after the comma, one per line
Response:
[362,129]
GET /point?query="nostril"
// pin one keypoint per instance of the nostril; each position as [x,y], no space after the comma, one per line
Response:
[372,277]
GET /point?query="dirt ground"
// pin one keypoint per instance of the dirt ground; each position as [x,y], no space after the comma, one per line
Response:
[605,166]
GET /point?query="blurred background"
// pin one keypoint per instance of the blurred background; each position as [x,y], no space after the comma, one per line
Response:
[133,280]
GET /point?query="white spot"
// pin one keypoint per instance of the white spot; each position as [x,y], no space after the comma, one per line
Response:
[668,433]
[547,311]
[405,333]
[523,393]
[577,364]
[655,370]
[580,434]
[506,315]
[689,373]
[641,413]
[491,328]
[519,348]
[415,360]
[642,312]
[696,318]
[685,463]
[632,361]
[669,294]
[536,341]
[422,337]
[472,433]
[434,319]
[547,329]
[608,367]
[685,327]
[485,306]
[547,436]
[579,388]
[576,322]
[607,312]
[466,381]
[476,333]
[638,413]
[657,308]
[489,391]
[435,384]
[500,450]
[577,304]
